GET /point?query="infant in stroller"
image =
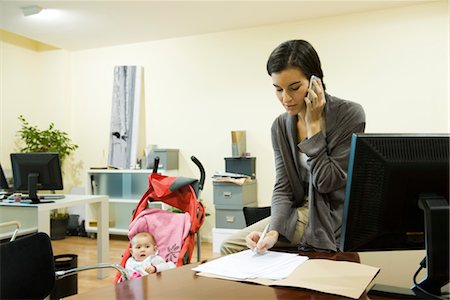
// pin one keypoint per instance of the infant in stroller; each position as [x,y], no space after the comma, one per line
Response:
[144,258]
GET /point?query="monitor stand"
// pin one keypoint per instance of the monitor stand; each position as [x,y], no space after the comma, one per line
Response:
[395,292]
[32,191]
[436,214]
[27,199]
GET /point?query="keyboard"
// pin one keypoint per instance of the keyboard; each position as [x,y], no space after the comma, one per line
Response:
[42,197]
[51,196]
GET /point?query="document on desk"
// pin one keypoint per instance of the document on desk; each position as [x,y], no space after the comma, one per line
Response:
[342,278]
[249,265]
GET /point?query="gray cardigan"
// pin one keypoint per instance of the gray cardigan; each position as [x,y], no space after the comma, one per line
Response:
[327,158]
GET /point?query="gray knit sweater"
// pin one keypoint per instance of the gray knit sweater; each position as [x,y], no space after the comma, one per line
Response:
[328,156]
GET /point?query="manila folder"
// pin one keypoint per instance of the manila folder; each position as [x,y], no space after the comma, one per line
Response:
[343,278]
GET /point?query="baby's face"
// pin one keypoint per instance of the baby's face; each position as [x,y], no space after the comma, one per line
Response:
[142,248]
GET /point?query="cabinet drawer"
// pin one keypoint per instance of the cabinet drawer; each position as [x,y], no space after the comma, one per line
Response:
[233,195]
[232,218]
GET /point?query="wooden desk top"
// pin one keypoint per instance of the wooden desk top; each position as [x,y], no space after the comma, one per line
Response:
[183,283]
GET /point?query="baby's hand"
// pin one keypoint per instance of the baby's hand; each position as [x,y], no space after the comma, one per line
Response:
[150,269]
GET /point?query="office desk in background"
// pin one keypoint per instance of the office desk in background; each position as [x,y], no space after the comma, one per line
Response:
[36,217]
[183,283]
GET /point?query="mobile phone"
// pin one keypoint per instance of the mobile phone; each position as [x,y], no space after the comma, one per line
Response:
[311,86]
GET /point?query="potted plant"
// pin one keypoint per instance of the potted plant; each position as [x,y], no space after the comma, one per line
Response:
[49,140]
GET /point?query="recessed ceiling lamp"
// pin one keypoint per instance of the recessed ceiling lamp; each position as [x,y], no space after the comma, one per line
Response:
[31,10]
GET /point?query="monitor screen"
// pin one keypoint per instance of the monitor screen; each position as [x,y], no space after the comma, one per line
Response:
[387,175]
[3,182]
[36,171]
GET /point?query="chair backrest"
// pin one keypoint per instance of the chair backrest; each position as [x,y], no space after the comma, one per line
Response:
[255,214]
[27,267]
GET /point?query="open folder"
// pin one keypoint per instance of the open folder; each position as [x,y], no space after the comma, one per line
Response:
[328,276]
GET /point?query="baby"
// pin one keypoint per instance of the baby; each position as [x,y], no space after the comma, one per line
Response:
[144,258]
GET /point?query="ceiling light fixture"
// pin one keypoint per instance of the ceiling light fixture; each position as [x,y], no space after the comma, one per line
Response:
[31,10]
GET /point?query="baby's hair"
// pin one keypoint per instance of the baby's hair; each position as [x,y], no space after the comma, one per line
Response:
[142,234]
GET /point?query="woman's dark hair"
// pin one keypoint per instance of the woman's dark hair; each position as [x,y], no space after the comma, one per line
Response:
[295,53]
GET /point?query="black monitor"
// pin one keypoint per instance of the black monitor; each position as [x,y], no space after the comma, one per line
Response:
[3,182]
[397,199]
[36,171]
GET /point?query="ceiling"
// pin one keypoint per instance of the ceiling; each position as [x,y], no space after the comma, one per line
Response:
[78,25]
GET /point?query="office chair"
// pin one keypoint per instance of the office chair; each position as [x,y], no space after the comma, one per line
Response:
[28,266]
[255,214]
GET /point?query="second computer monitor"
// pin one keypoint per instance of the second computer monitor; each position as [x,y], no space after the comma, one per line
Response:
[36,171]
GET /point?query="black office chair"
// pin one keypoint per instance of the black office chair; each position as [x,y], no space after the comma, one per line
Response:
[255,214]
[28,267]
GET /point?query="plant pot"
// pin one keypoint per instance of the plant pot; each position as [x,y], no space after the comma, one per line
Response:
[58,228]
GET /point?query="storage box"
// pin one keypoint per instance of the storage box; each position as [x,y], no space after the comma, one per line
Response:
[235,196]
[238,143]
[241,165]
[168,158]
[231,218]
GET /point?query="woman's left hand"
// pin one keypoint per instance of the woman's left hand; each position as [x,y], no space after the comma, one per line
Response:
[315,105]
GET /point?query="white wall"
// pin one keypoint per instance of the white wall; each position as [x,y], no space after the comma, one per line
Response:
[35,85]
[199,88]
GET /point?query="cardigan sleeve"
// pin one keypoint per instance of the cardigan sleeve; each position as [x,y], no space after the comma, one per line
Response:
[283,212]
[329,164]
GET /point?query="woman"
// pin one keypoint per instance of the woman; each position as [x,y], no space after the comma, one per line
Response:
[311,143]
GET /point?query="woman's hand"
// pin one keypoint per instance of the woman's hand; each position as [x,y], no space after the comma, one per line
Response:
[315,105]
[252,241]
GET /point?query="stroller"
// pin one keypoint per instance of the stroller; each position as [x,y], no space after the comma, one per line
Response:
[174,232]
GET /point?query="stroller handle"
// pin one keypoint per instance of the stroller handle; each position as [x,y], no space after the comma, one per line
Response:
[202,172]
[155,165]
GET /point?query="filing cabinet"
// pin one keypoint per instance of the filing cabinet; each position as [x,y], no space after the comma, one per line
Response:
[229,200]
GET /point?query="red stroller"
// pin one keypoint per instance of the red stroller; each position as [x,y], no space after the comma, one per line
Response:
[180,193]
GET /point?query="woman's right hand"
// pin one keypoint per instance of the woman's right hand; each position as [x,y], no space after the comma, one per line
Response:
[252,241]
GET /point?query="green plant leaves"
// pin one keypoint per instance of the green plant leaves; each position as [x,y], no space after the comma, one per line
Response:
[48,140]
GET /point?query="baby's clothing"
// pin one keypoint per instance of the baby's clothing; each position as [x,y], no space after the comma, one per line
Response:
[134,266]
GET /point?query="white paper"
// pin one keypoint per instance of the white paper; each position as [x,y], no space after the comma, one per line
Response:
[248,264]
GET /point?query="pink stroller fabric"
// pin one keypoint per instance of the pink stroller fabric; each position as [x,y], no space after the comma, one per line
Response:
[169,230]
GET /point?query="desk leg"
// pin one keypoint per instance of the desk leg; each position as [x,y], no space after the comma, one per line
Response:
[102,236]
[43,220]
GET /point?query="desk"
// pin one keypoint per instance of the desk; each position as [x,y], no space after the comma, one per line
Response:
[182,283]
[39,214]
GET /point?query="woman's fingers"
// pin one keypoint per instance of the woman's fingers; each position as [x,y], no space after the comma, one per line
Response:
[252,238]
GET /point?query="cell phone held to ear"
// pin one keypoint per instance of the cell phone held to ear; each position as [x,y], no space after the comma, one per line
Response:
[311,86]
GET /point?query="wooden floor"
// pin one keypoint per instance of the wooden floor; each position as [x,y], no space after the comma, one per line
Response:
[86,249]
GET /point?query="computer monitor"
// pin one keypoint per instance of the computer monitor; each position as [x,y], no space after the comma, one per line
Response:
[36,171]
[4,186]
[397,199]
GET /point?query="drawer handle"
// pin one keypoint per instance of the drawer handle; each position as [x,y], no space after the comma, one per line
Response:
[229,219]
[227,194]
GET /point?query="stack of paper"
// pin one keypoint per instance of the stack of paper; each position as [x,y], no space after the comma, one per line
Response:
[236,178]
[286,269]
[248,265]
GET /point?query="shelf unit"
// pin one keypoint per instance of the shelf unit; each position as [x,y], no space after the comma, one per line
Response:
[124,189]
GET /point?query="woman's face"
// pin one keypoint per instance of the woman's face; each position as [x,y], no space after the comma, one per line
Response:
[291,87]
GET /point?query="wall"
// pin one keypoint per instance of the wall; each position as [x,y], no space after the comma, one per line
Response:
[33,84]
[199,88]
